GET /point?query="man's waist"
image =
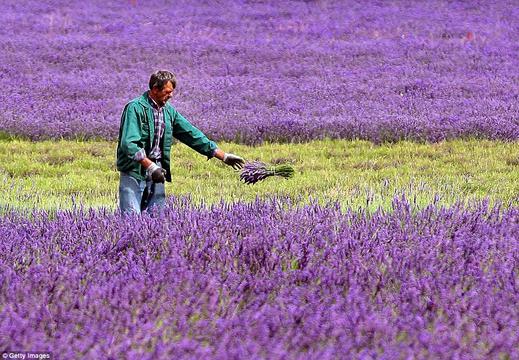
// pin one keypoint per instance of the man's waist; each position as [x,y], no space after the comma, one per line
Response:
[155,155]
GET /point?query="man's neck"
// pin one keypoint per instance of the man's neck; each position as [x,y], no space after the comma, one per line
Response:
[154,101]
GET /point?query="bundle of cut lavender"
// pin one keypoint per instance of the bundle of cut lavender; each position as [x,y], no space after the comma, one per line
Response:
[256,171]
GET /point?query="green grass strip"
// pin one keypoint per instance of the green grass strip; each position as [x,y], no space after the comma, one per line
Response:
[63,174]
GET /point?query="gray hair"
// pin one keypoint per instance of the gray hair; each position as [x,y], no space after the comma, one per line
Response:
[161,78]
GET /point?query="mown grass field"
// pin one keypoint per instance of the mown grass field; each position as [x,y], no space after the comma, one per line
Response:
[62,174]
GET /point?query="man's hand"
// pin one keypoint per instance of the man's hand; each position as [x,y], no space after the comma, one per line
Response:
[156,173]
[233,160]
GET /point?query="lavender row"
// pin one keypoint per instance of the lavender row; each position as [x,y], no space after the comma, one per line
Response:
[263,280]
[266,71]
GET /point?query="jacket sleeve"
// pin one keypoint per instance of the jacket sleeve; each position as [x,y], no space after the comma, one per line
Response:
[131,140]
[188,134]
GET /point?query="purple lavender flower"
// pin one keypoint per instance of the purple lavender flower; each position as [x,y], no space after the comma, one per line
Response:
[293,71]
[256,171]
[263,280]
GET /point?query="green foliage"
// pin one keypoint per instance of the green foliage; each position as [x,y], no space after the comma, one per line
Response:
[358,174]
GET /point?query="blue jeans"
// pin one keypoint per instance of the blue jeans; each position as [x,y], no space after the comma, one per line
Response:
[131,191]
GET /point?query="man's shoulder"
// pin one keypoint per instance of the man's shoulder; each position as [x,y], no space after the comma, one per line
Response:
[137,103]
[171,109]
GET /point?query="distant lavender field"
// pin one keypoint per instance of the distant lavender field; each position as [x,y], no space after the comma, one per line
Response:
[263,280]
[277,71]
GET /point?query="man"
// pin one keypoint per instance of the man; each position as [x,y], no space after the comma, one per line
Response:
[148,125]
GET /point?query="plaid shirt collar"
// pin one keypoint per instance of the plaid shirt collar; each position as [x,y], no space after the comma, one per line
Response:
[153,102]
[158,119]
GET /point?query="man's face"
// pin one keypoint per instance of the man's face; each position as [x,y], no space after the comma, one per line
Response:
[161,97]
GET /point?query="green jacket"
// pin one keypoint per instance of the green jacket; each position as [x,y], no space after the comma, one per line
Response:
[137,130]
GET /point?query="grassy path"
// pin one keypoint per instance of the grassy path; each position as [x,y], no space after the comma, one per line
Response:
[50,175]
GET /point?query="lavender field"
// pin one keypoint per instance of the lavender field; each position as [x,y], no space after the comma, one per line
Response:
[263,280]
[426,266]
[254,71]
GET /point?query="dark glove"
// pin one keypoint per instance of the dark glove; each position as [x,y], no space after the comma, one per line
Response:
[233,160]
[158,176]
[156,173]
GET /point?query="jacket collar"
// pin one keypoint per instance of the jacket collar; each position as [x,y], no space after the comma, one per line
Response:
[143,100]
